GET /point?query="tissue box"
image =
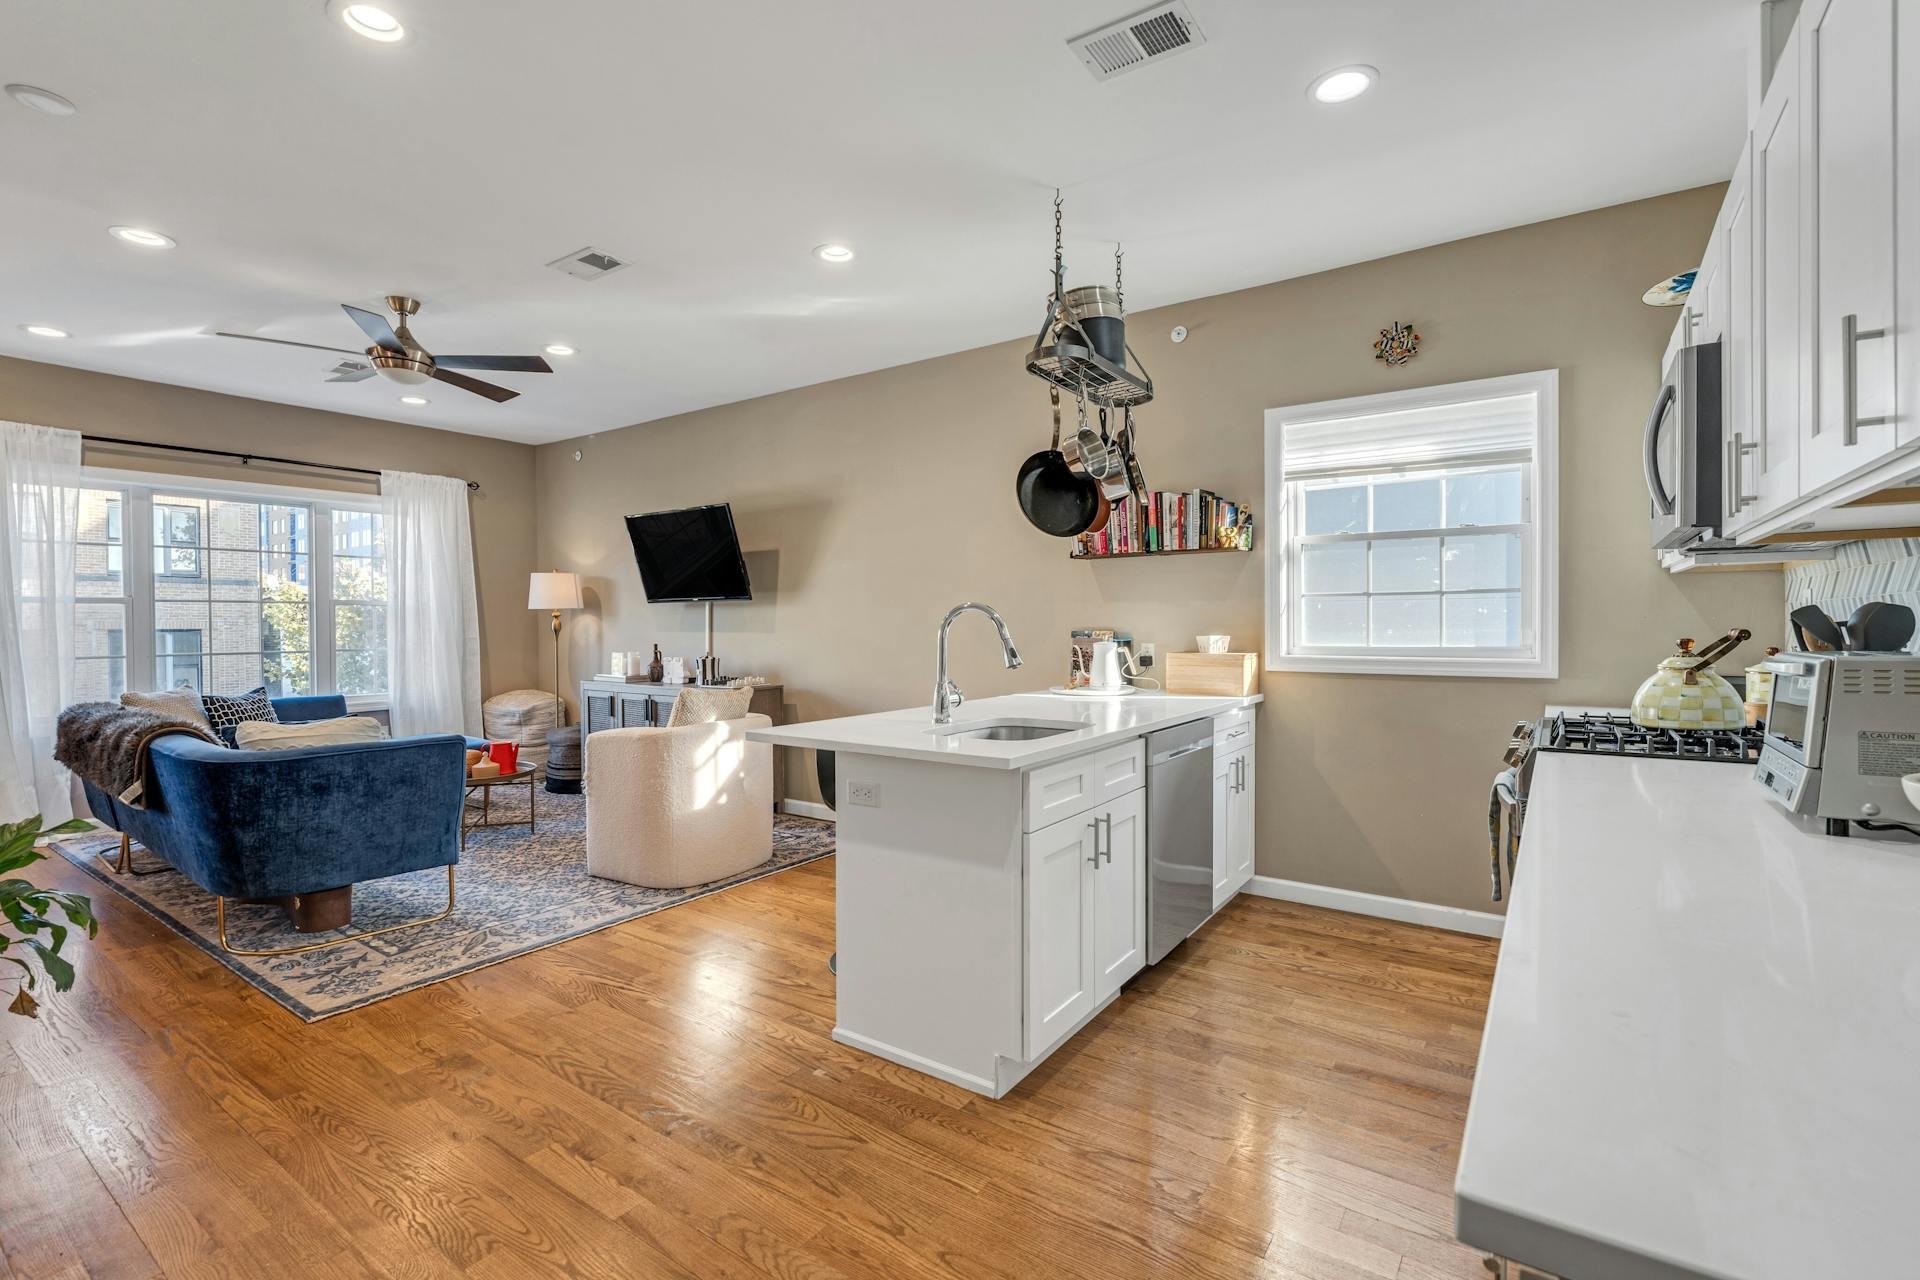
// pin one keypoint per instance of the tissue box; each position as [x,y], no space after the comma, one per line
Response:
[1218,675]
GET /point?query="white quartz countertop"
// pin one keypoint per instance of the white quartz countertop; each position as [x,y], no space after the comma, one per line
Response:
[1702,1055]
[911,734]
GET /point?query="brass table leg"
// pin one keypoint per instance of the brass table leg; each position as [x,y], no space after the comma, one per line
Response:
[123,866]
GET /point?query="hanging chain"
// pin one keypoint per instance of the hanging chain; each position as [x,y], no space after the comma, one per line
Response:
[1059,258]
[1119,291]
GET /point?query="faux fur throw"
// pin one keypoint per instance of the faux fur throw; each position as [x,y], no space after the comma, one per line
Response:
[106,744]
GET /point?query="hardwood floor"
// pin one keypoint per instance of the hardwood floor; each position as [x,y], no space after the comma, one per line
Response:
[1282,1098]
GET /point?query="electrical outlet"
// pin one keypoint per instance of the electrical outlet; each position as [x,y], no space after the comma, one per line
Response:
[867,793]
[1143,655]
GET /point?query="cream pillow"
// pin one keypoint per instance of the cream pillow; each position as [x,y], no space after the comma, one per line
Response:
[175,704]
[700,705]
[271,735]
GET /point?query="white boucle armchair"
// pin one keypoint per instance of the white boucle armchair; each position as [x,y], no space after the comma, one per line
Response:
[668,808]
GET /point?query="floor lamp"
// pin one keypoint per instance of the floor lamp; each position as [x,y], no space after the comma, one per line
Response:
[555,591]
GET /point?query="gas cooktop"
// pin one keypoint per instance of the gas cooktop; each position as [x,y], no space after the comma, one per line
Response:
[1615,735]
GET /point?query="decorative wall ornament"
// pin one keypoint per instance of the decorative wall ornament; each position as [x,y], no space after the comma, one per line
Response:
[1672,291]
[1398,344]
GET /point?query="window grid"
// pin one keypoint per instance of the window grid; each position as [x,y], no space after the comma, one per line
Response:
[1467,589]
[287,644]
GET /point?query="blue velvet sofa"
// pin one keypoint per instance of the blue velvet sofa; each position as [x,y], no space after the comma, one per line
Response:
[298,827]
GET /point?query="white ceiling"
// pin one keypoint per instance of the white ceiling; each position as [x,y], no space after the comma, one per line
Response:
[713,145]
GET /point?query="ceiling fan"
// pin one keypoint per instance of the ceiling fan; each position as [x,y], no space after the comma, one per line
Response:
[398,356]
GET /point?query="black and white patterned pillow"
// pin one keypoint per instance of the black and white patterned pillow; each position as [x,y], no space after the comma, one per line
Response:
[226,714]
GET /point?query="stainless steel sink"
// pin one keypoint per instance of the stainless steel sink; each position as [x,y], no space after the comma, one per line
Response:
[1013,732]
[1007,730]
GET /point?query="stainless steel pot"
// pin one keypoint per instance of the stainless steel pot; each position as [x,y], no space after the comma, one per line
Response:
[1094,310]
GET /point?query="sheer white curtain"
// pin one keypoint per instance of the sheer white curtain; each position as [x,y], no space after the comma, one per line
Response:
[433,612]
[40,491]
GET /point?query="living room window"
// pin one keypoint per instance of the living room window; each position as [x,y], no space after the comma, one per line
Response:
[1414,531]
[248,585]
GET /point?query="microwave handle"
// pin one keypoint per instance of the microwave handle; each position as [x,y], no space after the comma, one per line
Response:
[1662,501]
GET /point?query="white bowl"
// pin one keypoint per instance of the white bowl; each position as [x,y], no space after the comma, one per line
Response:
[1911,785]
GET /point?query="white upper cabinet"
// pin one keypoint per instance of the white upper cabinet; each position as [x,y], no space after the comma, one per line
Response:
[1906,200]
[1847,70]
[1779,388]
[1733,301]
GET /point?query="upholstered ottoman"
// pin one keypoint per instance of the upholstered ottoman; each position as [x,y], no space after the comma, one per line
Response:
[668,808]
[563,761]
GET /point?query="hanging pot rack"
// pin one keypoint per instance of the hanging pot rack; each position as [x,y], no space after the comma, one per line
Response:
[1074,366]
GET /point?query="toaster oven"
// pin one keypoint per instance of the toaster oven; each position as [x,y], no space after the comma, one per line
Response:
[1842,730]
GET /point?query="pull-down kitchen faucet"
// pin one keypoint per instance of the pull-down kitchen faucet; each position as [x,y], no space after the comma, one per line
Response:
[946,694]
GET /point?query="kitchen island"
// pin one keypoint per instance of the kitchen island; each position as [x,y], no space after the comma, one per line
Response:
[1702,1047]
[991,874]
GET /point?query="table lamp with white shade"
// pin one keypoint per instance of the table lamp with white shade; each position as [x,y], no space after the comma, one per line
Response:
[555,591]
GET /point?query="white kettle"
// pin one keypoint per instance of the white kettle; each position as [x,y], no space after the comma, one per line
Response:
[1111,660]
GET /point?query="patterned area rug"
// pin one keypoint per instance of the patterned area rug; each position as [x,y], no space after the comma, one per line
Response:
[515,893]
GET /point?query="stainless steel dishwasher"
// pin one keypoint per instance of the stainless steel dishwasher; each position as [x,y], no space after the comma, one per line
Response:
[1179,834]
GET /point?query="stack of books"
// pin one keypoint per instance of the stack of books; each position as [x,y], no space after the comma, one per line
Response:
[1198,521]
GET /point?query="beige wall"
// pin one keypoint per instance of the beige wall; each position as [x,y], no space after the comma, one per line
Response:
[100,404]
[870,505]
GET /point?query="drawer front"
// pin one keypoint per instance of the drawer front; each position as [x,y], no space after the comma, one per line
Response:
[635,711]
[1233,730]
[1058,791]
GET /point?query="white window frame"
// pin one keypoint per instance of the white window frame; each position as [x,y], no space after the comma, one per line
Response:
[136,490]
[1540,544]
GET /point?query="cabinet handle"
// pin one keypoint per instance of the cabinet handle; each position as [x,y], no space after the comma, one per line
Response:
[1094,827]
[1737,450]
[1851,336]
[1108,851]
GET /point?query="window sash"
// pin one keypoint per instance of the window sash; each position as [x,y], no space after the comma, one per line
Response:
[139,578]
[1536,590]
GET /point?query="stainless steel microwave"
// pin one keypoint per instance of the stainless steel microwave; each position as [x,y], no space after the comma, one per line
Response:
[1682,449]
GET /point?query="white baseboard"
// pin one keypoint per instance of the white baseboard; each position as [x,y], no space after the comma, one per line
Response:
[1458,919]
[806,809]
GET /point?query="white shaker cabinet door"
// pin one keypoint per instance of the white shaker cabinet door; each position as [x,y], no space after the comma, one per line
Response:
[1782,402]
[1224,772]
[1847,67]
[1120,895]
[1060,884]
[1736,349]
[1240,827]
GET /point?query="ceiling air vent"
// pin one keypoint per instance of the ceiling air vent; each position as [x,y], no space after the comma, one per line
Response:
[587,264]
[1148,36]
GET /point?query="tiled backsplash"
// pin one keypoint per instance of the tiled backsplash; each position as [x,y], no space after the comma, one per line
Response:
[1881,569]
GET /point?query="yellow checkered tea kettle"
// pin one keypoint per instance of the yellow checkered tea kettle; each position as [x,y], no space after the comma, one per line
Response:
[1685,692]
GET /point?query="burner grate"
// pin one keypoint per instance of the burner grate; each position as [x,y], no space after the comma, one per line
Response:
[1619,736]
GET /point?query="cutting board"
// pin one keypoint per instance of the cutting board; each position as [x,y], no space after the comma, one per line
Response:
[1217,675]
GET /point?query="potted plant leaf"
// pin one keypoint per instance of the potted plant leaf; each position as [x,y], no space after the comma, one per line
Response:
[29,930]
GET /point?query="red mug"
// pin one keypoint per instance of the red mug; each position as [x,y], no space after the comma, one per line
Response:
[506,755]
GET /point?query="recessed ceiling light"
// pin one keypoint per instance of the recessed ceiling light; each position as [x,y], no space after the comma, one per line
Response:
[413,400]
[141,236]
[1342,84]
[369,20]
[45,100]
[833,253]
[45,331]
[559,349]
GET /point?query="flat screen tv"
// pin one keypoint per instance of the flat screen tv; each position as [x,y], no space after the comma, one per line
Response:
[692,554]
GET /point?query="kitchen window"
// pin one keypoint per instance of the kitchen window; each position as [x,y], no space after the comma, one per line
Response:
[247,585]
[1415,532]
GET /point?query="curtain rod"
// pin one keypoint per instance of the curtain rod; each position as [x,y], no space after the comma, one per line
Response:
[245,458]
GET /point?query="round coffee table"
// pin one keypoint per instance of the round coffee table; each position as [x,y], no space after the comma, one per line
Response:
[523,777]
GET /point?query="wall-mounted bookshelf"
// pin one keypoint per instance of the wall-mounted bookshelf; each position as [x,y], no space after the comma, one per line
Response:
[1169,524]
[1171,551]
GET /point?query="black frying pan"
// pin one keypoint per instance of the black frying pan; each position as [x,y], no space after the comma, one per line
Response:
[1054,497]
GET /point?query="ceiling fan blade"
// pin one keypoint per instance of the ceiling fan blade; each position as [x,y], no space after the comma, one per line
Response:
[496,394]
[501,364]
[254,337]
[355,375]
[375,326]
